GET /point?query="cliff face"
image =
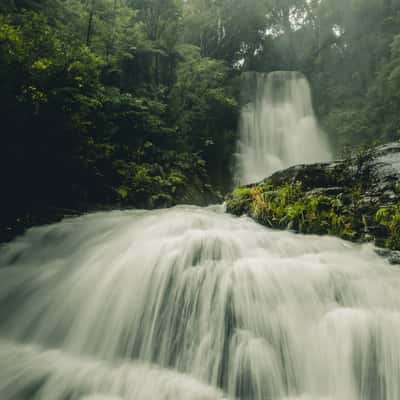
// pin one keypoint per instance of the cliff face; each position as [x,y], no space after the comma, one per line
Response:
[356,199]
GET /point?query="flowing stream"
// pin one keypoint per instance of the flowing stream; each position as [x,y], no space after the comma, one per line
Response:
[191,303]
[278,127]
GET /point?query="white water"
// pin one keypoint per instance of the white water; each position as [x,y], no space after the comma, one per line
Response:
[194,304]
[278,128]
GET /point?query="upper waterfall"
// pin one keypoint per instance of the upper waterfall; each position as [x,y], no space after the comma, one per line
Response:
[278,127]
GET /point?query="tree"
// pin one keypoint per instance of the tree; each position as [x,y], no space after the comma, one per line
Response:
[205,111]
[161,20]
[231,30]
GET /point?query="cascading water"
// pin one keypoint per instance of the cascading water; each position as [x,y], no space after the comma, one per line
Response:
[278,127]
[194,304]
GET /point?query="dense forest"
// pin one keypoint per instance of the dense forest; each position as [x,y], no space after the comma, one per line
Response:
[136,102]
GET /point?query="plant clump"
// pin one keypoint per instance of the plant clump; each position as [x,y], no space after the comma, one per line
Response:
[389,218]
[288,206]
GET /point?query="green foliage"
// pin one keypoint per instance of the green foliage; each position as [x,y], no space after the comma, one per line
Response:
[160,20]
[240,201]
[227,29]
[375,117]
[75,134]
[384,100]
[204,109]
[288,207]
[389,217]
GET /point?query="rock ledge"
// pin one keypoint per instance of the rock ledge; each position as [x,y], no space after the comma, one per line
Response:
[356,199]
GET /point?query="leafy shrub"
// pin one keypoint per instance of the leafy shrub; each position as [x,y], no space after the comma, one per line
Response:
[389,217]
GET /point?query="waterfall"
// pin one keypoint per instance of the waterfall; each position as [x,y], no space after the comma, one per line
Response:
[278,127]
[194,304]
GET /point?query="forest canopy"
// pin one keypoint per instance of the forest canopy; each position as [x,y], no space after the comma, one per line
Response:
[136,102]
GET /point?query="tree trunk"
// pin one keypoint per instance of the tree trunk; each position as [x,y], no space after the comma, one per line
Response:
[90,24]
[111,42]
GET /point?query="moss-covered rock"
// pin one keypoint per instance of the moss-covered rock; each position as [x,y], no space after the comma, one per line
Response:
[356,199]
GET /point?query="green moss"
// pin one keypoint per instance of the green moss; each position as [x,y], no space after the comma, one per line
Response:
[242,192]
[239,201]
[289,207]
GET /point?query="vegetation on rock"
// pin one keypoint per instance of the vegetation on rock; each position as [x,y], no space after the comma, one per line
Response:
[289,207]
[389,217]
[356,199]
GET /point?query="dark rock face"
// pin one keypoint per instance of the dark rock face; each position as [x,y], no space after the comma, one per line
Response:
[362,193]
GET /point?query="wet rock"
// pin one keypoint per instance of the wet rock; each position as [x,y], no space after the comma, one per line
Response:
[392,256]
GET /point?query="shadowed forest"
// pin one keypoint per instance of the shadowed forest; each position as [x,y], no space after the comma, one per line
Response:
[136,102]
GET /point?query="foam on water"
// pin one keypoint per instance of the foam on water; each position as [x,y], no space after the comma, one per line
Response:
[190,303]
